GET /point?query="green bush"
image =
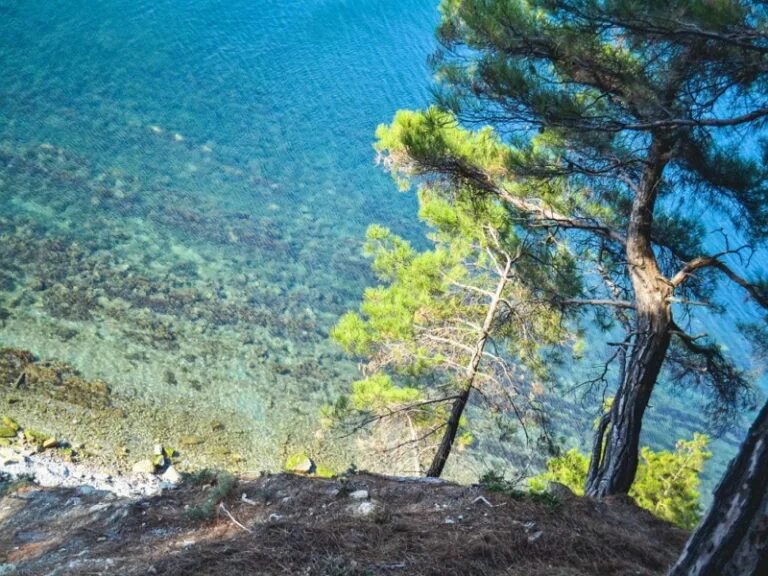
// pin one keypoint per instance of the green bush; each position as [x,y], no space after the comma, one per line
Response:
[667,483]
[495,482]
[220,485]
[569,469]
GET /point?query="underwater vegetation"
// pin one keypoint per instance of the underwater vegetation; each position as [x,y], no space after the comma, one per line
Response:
[188,313]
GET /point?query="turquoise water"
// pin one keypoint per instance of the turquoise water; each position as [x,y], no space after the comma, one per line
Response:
[185,188]
[183,192]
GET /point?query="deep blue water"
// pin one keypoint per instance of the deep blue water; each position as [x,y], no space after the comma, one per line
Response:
[289,92]
[172,166]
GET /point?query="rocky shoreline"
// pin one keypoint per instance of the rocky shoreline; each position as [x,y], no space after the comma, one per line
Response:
[48,470]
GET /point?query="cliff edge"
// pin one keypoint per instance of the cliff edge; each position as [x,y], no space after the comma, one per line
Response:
[358,525]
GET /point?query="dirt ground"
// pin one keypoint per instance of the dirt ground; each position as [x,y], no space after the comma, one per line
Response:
[361,525]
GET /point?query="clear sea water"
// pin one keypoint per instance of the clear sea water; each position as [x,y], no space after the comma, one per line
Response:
[184,187]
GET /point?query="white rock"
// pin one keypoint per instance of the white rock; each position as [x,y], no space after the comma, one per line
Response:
[171,475]
[359,495]
[535,536]
[364,509]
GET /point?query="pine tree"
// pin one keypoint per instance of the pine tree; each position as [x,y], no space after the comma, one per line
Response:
[626,131]
[463,316]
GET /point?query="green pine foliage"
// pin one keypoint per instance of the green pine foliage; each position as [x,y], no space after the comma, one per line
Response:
[416,330]
[616,131]
[570,468]
[667,482]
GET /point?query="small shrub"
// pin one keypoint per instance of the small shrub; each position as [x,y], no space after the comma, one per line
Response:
[222,484]
[546,498]
[495,482]
[570,469]
[335,566]
[200,477]
[667,483]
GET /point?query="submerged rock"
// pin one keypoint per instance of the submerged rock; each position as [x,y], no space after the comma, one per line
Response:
[300,464]
[10,423]
[217,426]
[35,437]
[57,380]
[144,467]
[192,440]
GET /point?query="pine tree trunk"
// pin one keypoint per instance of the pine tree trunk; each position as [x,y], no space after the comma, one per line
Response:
[732,540]
[460,403]
[451,429]
[614,461]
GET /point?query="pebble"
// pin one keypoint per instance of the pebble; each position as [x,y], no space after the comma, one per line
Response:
[364,509]
[359,495]
[304,466]
[50,443]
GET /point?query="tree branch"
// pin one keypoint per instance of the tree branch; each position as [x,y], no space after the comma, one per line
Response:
[543,215]
[757,294]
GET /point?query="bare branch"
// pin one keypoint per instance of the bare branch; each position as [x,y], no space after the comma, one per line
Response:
[701,262]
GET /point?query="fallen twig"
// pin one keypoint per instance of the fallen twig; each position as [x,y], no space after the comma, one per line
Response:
[224,509]
[244,498]
[484,500]
[397,566]
[20,380]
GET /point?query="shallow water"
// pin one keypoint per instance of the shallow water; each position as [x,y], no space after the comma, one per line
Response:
[185,189]
[183,192]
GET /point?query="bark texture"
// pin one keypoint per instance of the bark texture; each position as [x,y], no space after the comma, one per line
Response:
[615,457]
[732,540]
